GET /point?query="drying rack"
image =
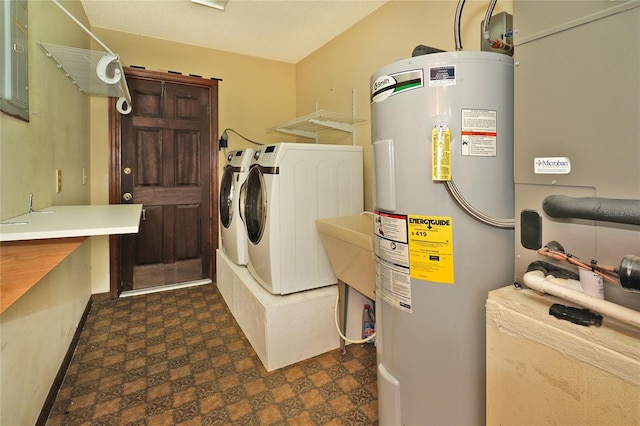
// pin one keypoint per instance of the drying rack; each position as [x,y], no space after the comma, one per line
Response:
[93,72]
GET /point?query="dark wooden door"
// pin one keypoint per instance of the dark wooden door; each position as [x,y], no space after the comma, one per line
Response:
[168,164]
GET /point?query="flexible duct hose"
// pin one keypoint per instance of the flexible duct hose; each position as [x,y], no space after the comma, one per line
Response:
[456,25]
[487,19]
[475,213]
[593,208]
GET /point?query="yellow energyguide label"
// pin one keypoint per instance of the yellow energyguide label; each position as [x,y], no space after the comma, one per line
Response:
[441,153]
[431,248]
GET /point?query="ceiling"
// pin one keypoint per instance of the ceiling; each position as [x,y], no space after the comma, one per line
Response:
[281,30]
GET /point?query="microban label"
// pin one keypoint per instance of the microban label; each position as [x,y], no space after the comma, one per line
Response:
[551,165]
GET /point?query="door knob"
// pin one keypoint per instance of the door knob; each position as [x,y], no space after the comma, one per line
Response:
[127,196]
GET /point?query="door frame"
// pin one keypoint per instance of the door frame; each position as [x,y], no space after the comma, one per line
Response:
[115,166]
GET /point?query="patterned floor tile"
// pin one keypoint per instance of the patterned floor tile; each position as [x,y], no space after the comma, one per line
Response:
[179,358]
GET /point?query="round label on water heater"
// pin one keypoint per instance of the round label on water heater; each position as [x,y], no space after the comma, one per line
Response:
[382,88]
[387,85]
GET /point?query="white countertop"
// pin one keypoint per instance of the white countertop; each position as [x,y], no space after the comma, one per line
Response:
[72,221]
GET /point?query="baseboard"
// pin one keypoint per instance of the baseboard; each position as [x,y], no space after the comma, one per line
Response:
[57,382]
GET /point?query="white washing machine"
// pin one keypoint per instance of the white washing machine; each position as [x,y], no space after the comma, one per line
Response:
[232,230]
[288,187]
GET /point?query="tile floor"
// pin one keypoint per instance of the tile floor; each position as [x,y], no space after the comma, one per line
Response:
[178,357]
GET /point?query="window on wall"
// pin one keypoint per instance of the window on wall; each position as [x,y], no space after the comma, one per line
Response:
[14,87]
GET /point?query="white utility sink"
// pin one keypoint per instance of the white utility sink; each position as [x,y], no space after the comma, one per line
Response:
[348,241]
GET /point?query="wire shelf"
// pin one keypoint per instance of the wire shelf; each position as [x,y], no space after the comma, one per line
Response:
[92,71]
[310,124]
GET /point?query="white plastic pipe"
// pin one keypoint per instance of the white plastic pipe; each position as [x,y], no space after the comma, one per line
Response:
[345,338]
[537,281]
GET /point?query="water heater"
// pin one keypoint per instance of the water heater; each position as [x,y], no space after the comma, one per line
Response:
[442,127]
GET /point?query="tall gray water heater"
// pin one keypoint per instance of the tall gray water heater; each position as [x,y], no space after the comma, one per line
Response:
[442,127]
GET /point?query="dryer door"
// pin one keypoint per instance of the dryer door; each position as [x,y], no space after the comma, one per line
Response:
[226,197]
[253,200]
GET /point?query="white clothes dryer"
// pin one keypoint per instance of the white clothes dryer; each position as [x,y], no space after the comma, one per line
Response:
[232,230]
[288,187]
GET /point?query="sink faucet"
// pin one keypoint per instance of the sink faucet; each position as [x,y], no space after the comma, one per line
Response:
[31,202]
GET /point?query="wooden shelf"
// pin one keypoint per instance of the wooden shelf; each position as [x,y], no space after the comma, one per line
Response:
[24,263]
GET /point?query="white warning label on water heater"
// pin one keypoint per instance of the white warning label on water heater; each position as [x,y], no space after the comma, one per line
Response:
[391,246]
[479,133]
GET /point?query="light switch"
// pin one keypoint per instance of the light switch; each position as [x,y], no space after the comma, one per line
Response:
[58,180]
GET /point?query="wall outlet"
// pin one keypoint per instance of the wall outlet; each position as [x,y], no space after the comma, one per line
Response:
[84,175]
[58,180]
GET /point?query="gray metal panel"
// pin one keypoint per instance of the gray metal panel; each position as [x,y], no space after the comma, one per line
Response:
[534,16]
[575,235]
[19,54]
[577,95]
[14,83]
